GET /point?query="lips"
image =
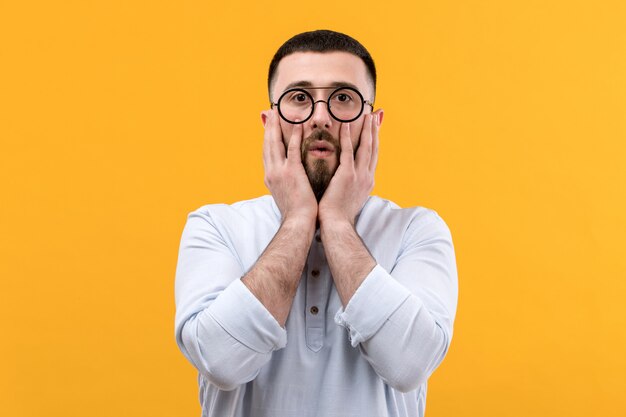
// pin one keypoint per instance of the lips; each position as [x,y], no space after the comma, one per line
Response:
[321,147]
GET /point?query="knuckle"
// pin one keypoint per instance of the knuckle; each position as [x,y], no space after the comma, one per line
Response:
[367,181]
[270,178]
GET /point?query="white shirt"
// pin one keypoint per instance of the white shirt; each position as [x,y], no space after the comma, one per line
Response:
[372,359]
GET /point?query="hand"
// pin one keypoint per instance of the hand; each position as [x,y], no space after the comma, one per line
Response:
[285,176]
[354,179]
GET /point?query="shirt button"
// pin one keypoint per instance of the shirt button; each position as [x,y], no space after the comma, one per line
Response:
[314,310]
[315,272]
[318,238]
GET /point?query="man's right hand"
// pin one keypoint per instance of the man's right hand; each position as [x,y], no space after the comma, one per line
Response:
[275,276]
[284,175]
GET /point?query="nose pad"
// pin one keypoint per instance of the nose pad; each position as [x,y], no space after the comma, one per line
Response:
[321,116]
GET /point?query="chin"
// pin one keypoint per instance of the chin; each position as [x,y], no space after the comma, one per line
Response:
[330,163]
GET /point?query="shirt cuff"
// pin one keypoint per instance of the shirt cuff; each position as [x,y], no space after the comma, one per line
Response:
[378,296]
[247,320]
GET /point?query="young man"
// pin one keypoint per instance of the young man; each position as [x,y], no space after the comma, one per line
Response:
[319,300]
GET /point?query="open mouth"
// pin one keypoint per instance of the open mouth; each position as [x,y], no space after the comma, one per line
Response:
[321,148]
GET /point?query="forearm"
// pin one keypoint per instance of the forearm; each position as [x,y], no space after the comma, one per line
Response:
[402,319]
[398,336]
[348,258]
[225,360]
[221,327]
[408,347]
[275,276]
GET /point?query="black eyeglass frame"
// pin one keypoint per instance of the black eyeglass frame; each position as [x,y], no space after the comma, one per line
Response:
[327,101]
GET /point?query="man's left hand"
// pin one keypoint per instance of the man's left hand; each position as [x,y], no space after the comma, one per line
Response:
[354,179]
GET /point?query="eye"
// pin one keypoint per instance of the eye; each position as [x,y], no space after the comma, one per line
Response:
[297,97]
[343,97]
[300,97]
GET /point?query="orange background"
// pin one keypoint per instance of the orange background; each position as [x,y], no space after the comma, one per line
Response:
[117,118]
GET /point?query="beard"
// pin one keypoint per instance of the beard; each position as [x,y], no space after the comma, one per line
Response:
[318,171]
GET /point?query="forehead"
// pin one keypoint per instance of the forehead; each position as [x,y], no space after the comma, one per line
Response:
[321,69]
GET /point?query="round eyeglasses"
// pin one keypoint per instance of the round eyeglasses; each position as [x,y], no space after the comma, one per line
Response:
[344,104]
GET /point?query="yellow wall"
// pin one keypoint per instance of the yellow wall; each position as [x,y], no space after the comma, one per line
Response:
[117,118]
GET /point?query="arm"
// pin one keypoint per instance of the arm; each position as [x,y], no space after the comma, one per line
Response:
[401,321]
[274,278]
[348,258]
[227,327]
[221,327]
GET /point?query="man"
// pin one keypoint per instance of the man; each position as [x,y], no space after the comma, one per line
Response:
[318,300]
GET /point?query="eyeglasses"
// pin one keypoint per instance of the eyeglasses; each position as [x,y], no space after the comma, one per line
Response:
[344,104]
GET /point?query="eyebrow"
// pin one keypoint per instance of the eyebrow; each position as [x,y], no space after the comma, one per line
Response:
[309,84]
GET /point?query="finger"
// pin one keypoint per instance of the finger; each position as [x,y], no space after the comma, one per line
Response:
[274,138]
[347,153]
[295,141]
[266,143]
[364,153]
[374,158]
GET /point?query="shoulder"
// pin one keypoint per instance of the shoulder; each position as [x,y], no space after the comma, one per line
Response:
[383,219]
[378,209]
[260,207]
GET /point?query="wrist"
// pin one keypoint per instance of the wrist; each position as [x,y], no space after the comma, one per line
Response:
[300,223]
[335,218]
[335,222]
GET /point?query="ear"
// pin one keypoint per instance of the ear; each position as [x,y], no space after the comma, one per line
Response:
[264,116]
[380,113]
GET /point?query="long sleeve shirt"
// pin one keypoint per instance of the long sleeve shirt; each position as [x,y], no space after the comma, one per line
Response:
[369,359]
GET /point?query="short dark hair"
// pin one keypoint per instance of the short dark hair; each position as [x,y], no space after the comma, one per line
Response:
[322,41]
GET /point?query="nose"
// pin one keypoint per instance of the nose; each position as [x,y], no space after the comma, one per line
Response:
[321,118]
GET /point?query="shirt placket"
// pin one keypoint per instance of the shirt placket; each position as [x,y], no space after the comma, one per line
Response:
[316,295]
